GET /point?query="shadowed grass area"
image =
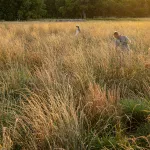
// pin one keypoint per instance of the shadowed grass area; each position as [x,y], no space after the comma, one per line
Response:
[59,91]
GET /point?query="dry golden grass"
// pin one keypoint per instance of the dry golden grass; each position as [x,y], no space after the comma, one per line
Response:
[59,91]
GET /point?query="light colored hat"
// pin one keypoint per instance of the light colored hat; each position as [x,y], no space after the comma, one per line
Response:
[116,32]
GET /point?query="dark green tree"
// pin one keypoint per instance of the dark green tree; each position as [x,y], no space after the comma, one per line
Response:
[32,9]
[8,9]
[22,9]
[51,8]
[35,9]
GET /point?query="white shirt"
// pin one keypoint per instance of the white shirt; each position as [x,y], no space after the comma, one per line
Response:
[123,43]
[77,31]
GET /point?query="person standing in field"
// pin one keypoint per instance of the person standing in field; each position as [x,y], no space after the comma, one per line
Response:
[122,47]
[77,30]
[122,42]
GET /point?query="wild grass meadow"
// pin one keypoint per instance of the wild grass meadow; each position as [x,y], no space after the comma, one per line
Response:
[59,91]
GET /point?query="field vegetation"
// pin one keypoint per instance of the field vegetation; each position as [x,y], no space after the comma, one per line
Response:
[61,91]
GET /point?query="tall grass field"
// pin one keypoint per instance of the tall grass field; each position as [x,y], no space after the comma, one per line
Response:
[59,91]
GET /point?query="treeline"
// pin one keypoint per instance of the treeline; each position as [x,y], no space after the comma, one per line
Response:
[35,9]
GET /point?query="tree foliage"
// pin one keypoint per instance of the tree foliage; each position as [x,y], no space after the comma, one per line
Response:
[22,9]
[34,9]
